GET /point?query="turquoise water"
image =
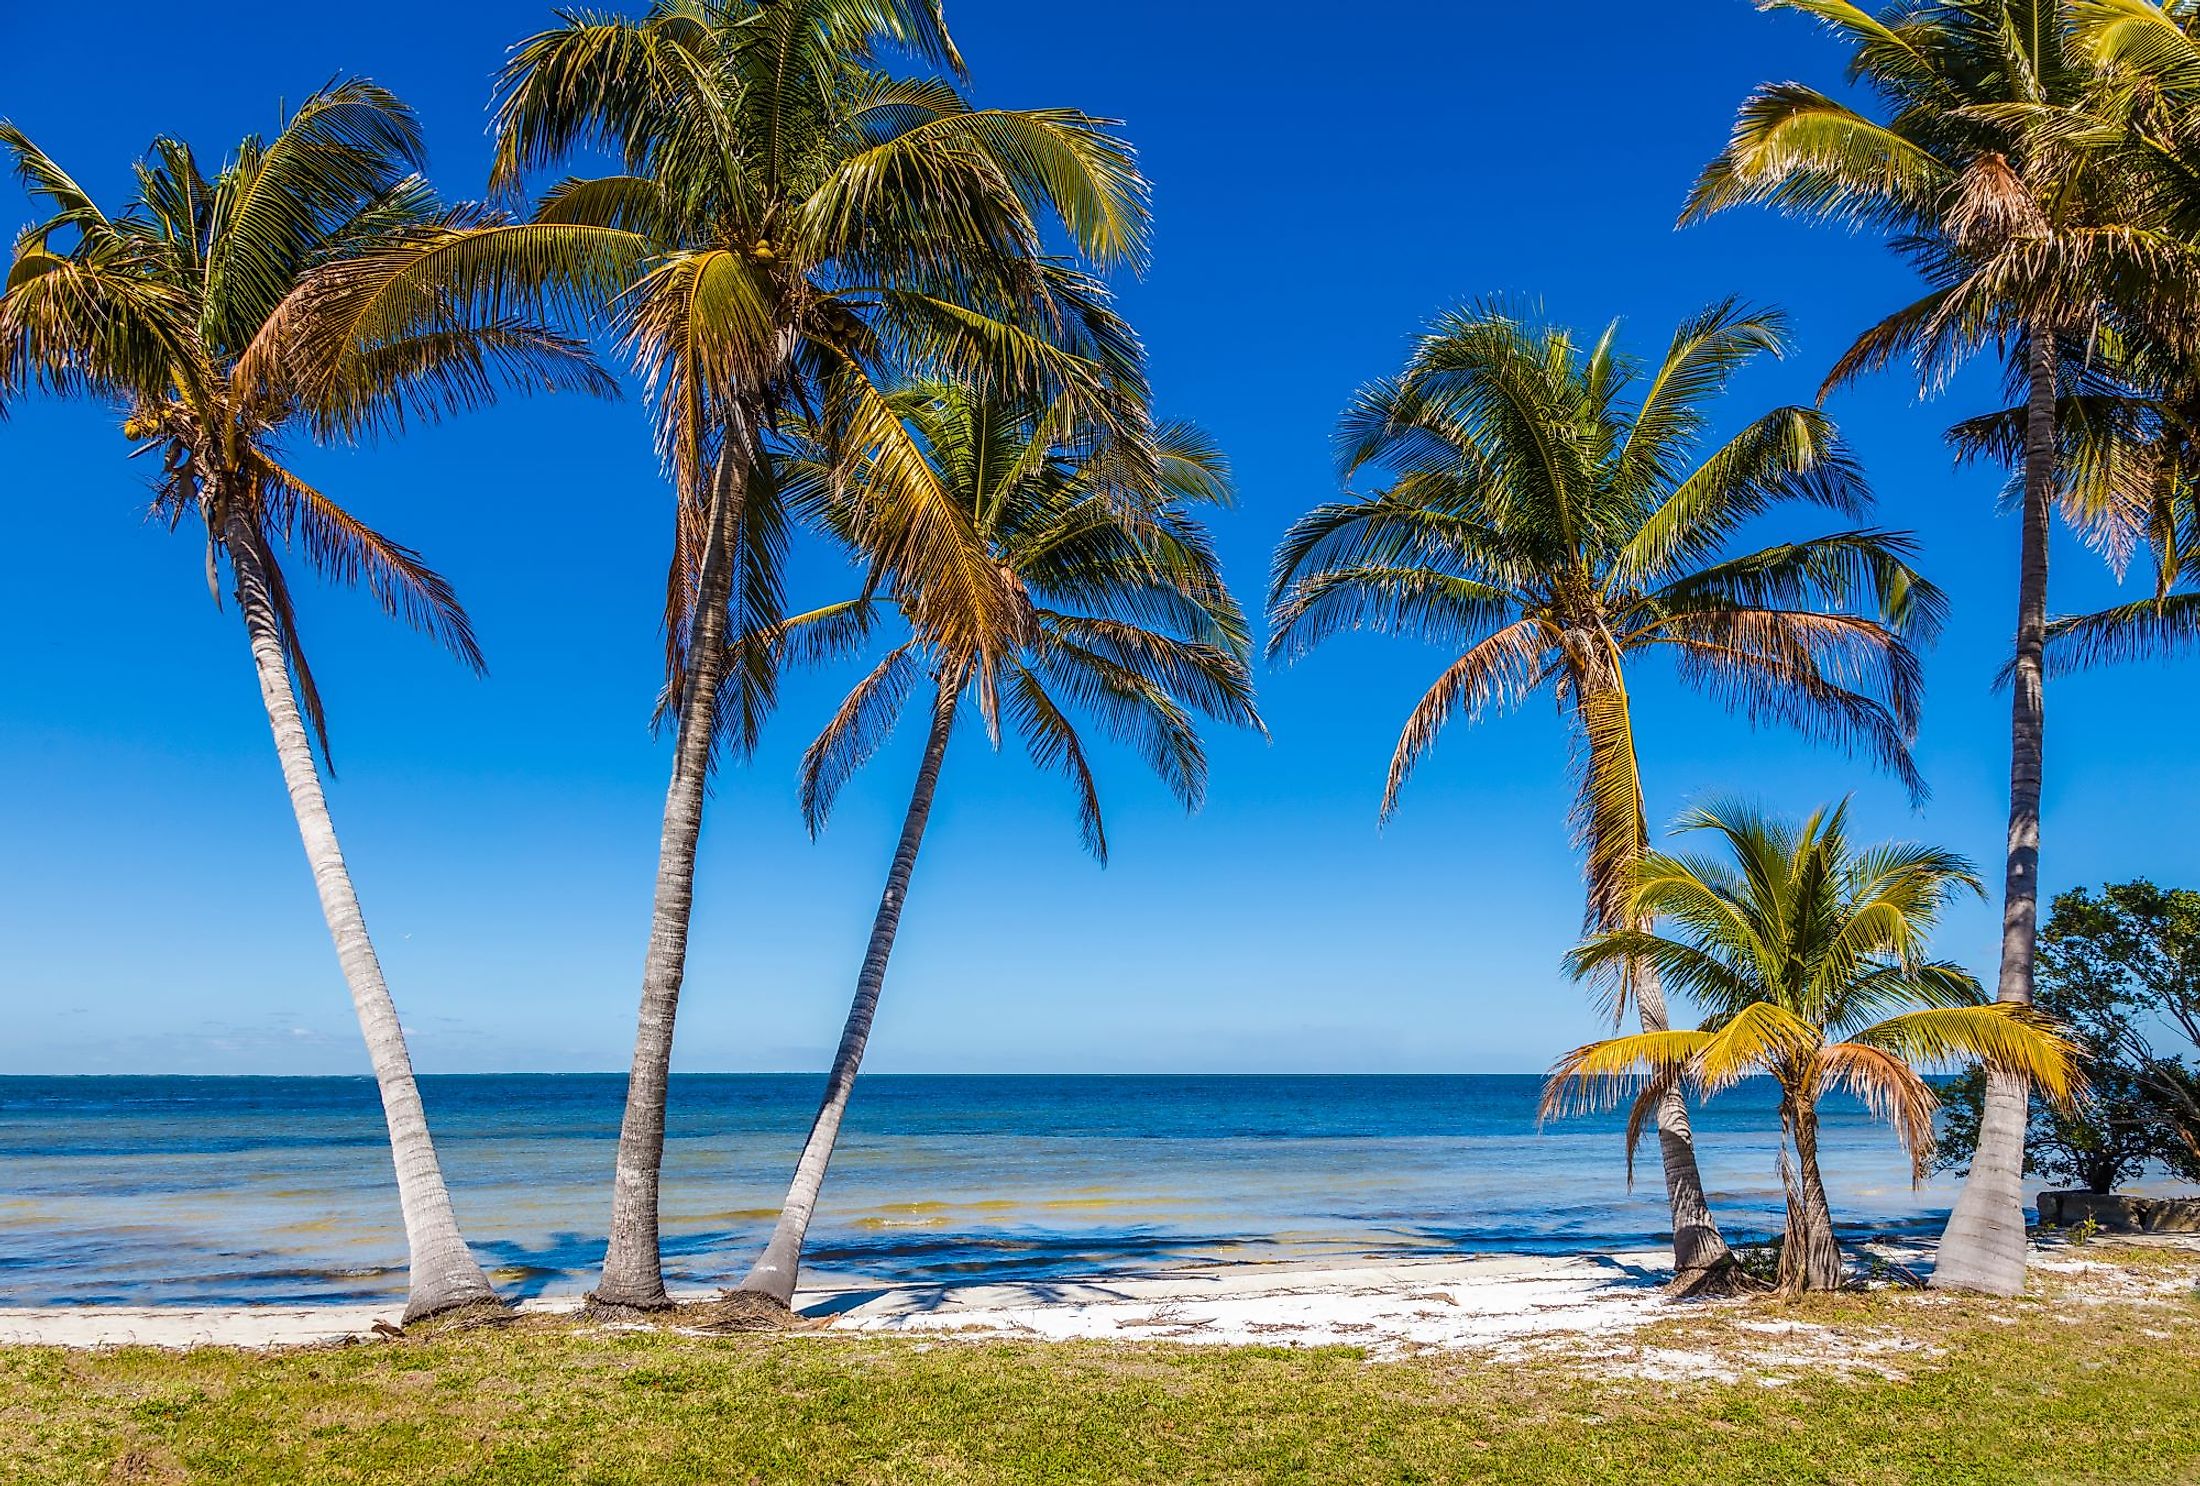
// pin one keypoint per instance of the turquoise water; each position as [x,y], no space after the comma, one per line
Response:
[201,1190]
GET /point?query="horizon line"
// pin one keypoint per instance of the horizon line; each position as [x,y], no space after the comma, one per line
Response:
[821,1072]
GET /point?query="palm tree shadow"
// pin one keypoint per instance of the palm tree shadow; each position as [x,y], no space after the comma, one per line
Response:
[526,1271]
[929,1299]
[1633,1276]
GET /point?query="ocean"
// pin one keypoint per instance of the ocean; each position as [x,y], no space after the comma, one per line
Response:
[175,1190]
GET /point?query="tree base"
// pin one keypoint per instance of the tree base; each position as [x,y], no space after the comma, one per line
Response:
[1721,1277]
[744,1310]
[462,1315]
[596,1308]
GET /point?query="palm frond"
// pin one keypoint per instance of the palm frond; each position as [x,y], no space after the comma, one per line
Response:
[1891,1090]
[2148,629]
[347,552]
[1762,1037]
[1798,150]
[1790,455]
[1599,1075]
[2004,1036]
[859,728]
[345,146]
[1499,671]
[1052,741]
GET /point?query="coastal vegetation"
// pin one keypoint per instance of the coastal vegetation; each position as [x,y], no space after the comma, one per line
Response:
[1811,957]
[1549,509]
[868,313]
[2120,970]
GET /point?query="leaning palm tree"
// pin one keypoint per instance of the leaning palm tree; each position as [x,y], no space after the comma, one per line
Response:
[1809,957]
[819,225]
[1985,169]
[1065,577]
[206,313]
[1551,510]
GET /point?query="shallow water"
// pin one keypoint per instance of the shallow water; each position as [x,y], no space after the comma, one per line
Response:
[170,1190]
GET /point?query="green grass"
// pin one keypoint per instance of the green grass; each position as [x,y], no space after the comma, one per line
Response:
[2045,1389]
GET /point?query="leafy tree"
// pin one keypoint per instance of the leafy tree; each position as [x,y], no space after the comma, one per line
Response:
[1809,956]
[227,316]
[1067,575]
[1552,512]
[818,225]
[2114,967]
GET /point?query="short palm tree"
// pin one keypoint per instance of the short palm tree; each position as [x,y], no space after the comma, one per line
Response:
[1551,511]
[818,225]
[208,313]
[1982,167]
[1809,958]
[1064,578]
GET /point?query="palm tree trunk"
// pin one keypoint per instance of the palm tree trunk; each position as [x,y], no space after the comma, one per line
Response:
[775,1273]
[1983,1246]
[1700,1253]
[1811,1258]
[444,1273]
[633,1272]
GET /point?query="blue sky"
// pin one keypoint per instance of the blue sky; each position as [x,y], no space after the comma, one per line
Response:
[1324,181]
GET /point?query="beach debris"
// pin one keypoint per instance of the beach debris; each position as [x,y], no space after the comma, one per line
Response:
[743,1310]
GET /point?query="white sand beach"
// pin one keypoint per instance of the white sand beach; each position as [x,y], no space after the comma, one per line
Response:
[1479,1302]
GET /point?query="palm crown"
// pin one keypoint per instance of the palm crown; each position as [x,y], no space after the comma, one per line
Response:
[203,309]
[818,226]
[1809,958]
[1550,509]
[1075,582]
[1999,168]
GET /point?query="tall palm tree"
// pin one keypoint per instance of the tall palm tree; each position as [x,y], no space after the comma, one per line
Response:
[1065,577]
[207,312]
[1551,510]
[1807,954]
[818,224]
[1979,172]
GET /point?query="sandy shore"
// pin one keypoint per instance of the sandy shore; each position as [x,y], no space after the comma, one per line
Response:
[1471,1302]
[1507,1307]
[1476,1302]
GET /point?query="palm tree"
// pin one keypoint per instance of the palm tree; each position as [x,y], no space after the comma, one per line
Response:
[819,225]
[214,314]
[1983,174]
[1552,513]
[1809,956]
[1062,576]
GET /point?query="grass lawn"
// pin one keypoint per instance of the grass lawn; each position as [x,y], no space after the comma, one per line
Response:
[2086,1380]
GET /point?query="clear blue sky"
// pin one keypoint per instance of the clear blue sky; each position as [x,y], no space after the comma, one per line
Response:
[1325,179]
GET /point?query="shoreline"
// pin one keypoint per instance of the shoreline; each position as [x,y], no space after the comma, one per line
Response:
[1388,1305]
